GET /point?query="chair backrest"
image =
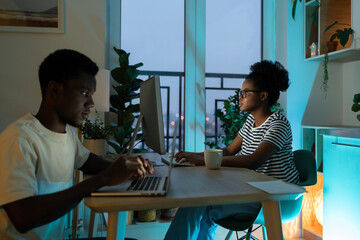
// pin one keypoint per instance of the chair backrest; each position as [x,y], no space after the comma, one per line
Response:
[306,165]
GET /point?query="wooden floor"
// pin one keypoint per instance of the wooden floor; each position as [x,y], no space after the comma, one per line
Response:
[154,231]
[157,231]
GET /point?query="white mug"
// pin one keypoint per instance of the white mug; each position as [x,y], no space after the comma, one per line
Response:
[213,158]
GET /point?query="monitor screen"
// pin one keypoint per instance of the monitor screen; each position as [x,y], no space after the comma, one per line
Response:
[151,110]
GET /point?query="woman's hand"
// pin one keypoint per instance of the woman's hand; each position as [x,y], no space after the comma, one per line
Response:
[194,158]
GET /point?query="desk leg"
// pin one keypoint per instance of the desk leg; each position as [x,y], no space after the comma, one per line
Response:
[116,226]
[272,217]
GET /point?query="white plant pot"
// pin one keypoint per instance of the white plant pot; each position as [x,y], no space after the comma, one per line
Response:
[96,146]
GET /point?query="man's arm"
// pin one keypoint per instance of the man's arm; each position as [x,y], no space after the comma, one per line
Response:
[35,211]
[95,164]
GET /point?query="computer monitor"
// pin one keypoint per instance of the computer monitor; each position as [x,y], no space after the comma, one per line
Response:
[151,111]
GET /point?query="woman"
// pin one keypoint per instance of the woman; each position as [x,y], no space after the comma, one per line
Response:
[264,144]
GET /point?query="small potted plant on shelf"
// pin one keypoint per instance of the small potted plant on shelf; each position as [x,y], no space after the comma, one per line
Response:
[343,35]
[95,134]
[356,105]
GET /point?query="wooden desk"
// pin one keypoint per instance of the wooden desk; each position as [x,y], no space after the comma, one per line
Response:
[198,186]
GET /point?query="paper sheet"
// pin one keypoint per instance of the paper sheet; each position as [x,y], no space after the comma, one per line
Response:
[275,187]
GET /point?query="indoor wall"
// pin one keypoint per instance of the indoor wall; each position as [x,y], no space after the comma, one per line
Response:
[22,53]
[306,103]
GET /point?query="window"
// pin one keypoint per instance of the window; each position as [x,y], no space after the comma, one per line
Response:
[153,32]
[233,44]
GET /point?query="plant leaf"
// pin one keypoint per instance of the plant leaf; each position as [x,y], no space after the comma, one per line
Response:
[123,57]
[122,91]
[356,98]
[133,108]
[330,26]
[344,38]
[134,95]
[355,107]
[115,146]
[136,150]
[136,84]
[118,74]
[358,117]
[119,51]
[138,65]
[132,72]
[294,9]
[126,120]
[333,36]
[116,102]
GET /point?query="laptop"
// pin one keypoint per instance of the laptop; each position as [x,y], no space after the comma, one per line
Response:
[152,185]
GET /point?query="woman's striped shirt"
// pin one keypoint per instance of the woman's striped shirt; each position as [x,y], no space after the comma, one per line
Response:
[277,131]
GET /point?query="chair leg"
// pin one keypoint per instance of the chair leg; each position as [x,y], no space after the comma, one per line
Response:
[248,234]
[92,223]
[264,232]
[228,236]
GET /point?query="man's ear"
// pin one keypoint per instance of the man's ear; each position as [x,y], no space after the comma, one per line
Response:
[53,88]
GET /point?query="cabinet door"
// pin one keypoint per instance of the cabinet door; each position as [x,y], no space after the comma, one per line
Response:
[341,188]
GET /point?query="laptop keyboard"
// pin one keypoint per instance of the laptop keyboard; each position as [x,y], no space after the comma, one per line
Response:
[145,184]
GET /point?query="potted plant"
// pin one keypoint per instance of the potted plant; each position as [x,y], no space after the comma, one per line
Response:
[95,134]
[356,105]
[232,119]
[121,102]
[343,35]
[324,85]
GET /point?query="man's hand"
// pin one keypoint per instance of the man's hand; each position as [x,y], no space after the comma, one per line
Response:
[195,158]
[123,169]
[126,168]
[147,164]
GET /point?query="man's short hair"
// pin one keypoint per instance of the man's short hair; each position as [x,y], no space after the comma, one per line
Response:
[62,65]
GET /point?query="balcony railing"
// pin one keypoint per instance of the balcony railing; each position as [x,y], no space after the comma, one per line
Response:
[172,83]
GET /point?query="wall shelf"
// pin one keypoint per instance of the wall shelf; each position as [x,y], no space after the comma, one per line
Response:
[319,14]
[344,55]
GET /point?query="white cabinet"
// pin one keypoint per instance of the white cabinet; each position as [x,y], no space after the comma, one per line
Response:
[341,188]
[337,152]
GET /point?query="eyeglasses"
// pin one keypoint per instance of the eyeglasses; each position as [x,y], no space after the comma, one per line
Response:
[243,93]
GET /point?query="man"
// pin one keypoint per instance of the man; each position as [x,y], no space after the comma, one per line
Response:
[39,153]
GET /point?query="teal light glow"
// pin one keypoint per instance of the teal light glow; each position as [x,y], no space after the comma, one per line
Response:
[302,75]
[341,188]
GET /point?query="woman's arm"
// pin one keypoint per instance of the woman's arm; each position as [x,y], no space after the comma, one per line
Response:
[253,161]
[198,157]
[193,157]
[234,147]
